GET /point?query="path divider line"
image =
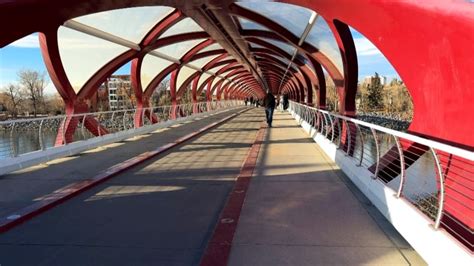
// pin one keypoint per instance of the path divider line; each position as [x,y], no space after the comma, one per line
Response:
[61,195]
[219,246]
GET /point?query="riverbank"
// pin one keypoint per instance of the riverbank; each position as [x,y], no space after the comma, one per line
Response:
[384,121]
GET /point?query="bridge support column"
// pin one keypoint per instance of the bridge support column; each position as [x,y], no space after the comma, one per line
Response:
[69,125]
[194,94]
[209,96]
[48,41]
[144,112]
[174,102]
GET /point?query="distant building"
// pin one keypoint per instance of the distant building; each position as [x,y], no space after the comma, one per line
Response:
[368,80]
[119,91]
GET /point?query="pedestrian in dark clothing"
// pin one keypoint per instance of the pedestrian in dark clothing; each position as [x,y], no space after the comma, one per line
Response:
[269,103]
[285,101]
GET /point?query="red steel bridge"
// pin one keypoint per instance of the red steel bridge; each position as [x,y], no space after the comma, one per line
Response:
[207,183]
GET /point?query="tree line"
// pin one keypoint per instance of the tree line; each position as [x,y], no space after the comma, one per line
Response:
[391,100]
[26,97]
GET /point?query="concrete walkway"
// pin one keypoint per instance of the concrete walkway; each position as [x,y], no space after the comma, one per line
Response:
[301,210]
[21,188]
[161,212]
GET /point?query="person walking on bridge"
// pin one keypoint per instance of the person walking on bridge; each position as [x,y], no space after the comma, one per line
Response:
[285,102]
[269,103]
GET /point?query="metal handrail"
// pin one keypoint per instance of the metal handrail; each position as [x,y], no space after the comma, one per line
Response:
[430,143]
[112,121]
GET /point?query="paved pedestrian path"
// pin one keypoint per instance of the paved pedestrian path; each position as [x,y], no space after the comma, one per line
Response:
[161,212]
[301,210]
[23,187]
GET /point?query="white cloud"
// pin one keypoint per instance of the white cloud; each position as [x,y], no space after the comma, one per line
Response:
[365,48]
[50,88]
[4,70]
[5,82]
[30,41]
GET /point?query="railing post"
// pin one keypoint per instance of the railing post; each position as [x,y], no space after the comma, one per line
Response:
[374,134]
[402,166]
[112,120]
[151,116]
[439,215]
[361,144]
[349,136]
[63,130]
[99,132]
[323,123]
[317,124]
[124,120]
[167,112]
[332,128]
[40,136]
[339,131]
[14,148]
[83,126]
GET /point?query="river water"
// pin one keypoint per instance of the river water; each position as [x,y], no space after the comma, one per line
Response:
[26,141]
[29,141]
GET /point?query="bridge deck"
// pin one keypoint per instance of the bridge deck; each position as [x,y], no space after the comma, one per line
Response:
[299,210]
[302,210]
[20,188]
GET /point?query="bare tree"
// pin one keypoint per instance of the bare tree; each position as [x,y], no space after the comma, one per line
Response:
[161,95]
[127,95]
[54,104]
[33,83]
[14,99]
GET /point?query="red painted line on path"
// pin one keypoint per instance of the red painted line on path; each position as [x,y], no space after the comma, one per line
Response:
[218,248]
[61,195]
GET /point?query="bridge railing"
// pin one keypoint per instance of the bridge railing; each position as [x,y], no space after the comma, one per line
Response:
[23,136]
[436,178]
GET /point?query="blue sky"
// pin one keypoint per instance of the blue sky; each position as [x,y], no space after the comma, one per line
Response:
[370,59]
[25,54]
